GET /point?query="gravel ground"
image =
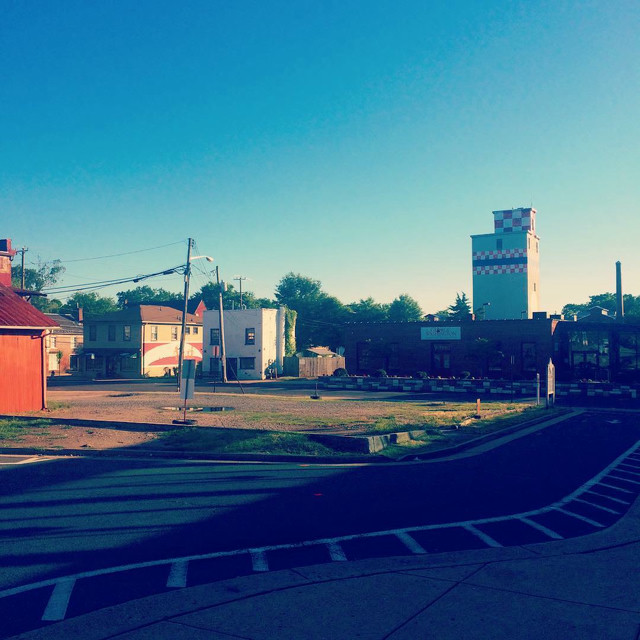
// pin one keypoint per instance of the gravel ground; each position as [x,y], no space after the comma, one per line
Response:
[335,412]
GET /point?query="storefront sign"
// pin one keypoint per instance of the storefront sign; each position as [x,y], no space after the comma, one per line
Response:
[440,333]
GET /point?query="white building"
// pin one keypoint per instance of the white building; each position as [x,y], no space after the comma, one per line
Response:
[254,341]
[506,267]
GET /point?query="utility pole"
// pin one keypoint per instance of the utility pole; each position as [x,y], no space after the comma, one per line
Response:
[240,279]
[223,352]
[22,251]
[187,274]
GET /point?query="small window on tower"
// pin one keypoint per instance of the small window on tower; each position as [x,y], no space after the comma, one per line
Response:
[499,244]
[534,286]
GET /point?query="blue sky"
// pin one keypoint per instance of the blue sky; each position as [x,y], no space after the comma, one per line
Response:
[359,143]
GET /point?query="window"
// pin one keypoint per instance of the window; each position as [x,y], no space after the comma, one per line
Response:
[247,363]
[214,336]
[128,363]
[249,336]
[174,333]
[53,341]
[93,332]
[441,357]
[534,286]
[499,244]
[126,333]
[195,331]
[95,364]
[154,334]
[74,342]
[111,333]
[73,363]
[187,330]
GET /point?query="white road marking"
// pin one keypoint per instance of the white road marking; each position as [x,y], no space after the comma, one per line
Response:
[623,479]
[488,540]
[540,527]
[410,543]
[178,574]
[612,486]
[597,506]
[333,544]
[631,473]
[604,495]
[579,517]
[631,466]
[59,600]
[336,552]
[259,560]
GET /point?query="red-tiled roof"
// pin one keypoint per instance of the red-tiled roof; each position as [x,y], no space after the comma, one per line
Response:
[15,312]
[149,313]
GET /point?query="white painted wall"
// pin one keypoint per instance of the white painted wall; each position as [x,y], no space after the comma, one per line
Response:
[269,339]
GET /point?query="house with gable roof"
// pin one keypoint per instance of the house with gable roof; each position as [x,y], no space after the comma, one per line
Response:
[23,329]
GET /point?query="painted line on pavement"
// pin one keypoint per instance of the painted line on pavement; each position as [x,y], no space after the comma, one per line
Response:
[413,545]
[59,601]
[178,574]
[488,540]
[542,528]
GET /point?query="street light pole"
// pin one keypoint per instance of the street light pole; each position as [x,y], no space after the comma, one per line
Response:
[187,274]
[223,352]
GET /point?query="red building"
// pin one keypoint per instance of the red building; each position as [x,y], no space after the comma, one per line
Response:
[23,385]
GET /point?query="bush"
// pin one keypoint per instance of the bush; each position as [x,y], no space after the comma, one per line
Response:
[423,375]
[379,373]
[465,375]
[340,372]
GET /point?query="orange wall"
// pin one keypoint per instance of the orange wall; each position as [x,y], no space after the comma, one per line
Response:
[20,372]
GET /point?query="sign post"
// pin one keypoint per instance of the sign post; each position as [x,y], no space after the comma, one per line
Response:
[551,384]
[187,387]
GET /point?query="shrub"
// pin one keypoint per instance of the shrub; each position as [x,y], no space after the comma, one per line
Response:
[340,372]
[379,373]
[423,375]
[465,375]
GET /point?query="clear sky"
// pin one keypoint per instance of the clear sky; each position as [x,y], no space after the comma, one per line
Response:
[358,142]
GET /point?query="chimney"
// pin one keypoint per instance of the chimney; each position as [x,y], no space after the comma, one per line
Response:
[619,298]
[6,255]
[80,315]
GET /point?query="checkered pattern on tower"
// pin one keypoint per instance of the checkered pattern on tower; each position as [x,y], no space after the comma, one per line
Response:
[499,261]
[510,220]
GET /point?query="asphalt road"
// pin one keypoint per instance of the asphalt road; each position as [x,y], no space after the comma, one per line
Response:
[67,516]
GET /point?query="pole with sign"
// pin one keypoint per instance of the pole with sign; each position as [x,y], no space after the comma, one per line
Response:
[551,384]
[187,387]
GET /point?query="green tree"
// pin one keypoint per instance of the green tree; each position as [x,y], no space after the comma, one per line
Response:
[92,304]
[368,310]
[405,309]
[231,298]
[146,295]
[45,274]
[460,309]
[607,301]
[319,316]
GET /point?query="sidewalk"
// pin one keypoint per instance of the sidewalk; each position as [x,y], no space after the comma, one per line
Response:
[584,589]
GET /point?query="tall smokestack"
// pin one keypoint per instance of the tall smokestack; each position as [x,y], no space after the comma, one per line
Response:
[619,299]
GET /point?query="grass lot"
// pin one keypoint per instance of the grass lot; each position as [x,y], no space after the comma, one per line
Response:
[16,429]
[443,426]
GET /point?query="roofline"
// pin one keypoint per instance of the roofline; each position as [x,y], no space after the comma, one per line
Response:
[24,327]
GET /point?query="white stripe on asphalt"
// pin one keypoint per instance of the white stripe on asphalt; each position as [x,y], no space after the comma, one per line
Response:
[59,601]
[632,466]
[178,574]
[613,486]
[623,479]
[597,506]
[410,543]
[488,540]
[604,495]
[540,527]
[631,473]
[579,517]
[336,552]
[259,560]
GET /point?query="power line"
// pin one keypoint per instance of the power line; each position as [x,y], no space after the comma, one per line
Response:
[126,253]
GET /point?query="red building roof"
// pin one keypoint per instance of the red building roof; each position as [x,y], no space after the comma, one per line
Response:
[15,313]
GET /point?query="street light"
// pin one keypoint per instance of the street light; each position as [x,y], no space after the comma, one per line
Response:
[187,276]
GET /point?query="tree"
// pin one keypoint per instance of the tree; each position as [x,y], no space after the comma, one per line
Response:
[368,311]
[405,309]
[319,316]
[44,275]
[460,309]
[92,305]
[146,295]
[231,298]
[607,301]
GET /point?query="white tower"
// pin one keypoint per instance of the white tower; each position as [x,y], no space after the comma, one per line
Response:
[506,267]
